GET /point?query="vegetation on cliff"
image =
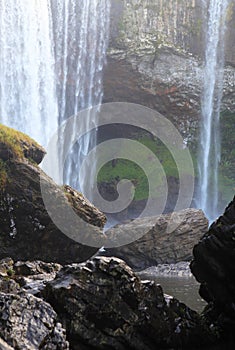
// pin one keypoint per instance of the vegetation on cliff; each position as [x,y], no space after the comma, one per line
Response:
[114,171]
[227,163]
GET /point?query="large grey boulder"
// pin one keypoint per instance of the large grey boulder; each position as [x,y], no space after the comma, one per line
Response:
[159,245]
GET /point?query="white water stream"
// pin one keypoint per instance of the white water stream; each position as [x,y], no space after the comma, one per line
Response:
[209,154]
[52,55]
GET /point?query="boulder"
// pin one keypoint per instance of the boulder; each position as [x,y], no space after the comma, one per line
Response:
[27,231]
[213,265]
[29,323]
[106,306]
[158,246]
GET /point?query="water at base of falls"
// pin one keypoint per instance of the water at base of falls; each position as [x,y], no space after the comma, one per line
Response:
[209,152]
[52,55]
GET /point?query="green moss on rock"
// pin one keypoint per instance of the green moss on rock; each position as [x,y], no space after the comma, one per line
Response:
[3,175]
[17,145]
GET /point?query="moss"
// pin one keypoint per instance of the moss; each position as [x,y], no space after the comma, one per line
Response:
[16,141]
[3,175]
[114,171]
[196,27]
[227,164]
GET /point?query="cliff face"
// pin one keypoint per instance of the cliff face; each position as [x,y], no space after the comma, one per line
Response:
[156,58]
[145,25]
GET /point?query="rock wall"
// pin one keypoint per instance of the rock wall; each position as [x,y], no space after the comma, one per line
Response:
[155,58]
[145,25]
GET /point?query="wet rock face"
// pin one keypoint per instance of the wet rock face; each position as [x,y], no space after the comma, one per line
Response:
[27,322]
[105,305]
[158,246]
[32,276]
[213,266]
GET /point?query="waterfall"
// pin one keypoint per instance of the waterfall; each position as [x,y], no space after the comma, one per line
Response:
[28,99]
[81,31]
[209,153]
[52,55]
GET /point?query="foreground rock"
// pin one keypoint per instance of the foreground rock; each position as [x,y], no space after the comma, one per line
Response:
[26,229]
[214,267]
[30,323]
[158,246]
[106,306]
[27,322]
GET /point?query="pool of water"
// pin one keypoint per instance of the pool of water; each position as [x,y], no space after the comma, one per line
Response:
[185,289]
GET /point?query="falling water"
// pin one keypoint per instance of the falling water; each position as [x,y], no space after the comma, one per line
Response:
[83,48]
[209,155]
[52,55]
[27,81]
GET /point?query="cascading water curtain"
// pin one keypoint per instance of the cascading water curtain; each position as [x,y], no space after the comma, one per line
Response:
[81,37]
[52,54]
[209,153]
[28,99]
